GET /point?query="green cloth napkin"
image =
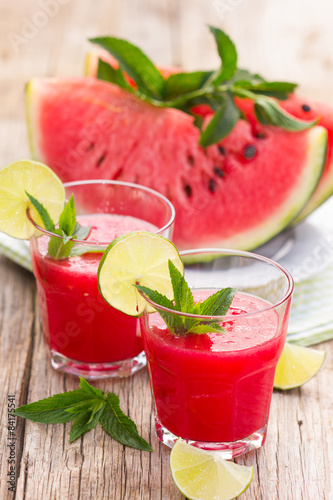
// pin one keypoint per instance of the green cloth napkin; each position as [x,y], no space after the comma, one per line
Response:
[16,250]
[311,316]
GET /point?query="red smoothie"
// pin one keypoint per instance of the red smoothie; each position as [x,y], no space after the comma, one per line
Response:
[215,387]
[77,322]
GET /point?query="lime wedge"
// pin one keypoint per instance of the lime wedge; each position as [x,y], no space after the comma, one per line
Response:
[39,181]
[136,258]
[297,365]
[203,475]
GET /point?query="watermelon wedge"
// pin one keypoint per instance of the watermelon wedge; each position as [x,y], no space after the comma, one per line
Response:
[306,110]
[239,193]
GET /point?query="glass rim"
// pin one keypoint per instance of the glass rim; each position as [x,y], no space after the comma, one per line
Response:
[113,183]
[242,253]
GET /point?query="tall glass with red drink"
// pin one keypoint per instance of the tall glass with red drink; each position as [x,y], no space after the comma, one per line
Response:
[214,390]
[85,335]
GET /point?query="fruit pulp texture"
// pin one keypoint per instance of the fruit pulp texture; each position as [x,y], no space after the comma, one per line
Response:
[77,322]
[216,387]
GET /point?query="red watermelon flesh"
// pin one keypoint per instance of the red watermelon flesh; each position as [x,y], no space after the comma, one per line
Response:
[307,110]
[239,193]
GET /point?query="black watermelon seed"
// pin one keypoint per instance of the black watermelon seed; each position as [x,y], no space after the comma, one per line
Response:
[221,150]
[250,151]
[188,190]
[100,160]
[261,135]
[212,185]
[218,172]
[190,159]
[306,108]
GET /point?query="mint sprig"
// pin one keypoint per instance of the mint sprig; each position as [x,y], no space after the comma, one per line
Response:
[217,304]
[86,407]
[217,88]
[68,229]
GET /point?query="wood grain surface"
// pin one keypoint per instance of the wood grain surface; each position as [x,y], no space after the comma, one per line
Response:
[283,40]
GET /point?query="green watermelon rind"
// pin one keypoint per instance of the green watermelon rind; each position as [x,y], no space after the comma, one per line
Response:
[320,195]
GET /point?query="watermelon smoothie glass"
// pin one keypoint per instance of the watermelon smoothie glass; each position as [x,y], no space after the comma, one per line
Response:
[85,335]
[214,390]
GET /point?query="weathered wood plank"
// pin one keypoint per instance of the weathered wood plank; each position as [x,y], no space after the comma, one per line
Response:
[17,293]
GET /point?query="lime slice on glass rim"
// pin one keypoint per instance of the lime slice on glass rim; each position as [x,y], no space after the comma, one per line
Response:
[136,258]
[203,475]
[39,181]
[297,365]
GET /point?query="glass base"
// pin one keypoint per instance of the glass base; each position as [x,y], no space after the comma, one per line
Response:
[225,450]
[93,371]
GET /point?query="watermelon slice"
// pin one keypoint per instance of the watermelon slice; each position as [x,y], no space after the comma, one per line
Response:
[307,110]
[239,193]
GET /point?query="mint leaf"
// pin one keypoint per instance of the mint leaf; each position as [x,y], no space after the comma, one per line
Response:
[81,232]
[222,122]
[209,328]
[89,389]
[42,212]
[136,64]
[182,294]
[184,83]
[219,303]
[112,75]
[86,421]
[269,112]
[263,86]
[97,410]
[120,426]
[173,321]
[228,54]
[278,90]
[65,237]
[81,424]
[86,407]
[78,250]
[60,248]
[54,410]
[156,296]
[67,218]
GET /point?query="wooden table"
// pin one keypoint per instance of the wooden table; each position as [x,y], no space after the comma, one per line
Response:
[297,460]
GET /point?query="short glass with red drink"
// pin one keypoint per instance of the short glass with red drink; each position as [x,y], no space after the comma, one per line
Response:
[214,390]
[84,334]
